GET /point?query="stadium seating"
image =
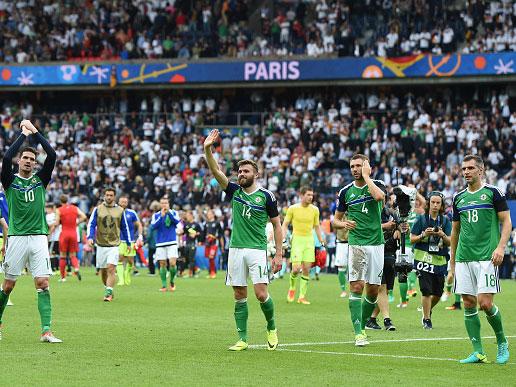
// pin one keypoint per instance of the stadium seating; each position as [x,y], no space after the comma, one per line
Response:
[245,28]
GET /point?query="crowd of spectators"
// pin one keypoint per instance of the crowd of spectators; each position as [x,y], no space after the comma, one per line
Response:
[306,140]
[57,30]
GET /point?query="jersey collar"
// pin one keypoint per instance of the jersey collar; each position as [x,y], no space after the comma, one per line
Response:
[482,186]
[249,194]
[24,178]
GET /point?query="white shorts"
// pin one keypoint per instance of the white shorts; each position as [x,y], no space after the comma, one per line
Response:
[247,262]
[341,254]
[29,251]
[474,278]
[165,252]
[365,263]
[107,256]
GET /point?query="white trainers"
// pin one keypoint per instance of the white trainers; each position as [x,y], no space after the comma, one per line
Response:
[9,303]
[48,337]
[445,296]
[361,340]
[62,280]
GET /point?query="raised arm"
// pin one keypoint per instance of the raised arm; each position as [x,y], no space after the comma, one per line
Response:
[376,192]
[7,175]
[45,174]
[212,163]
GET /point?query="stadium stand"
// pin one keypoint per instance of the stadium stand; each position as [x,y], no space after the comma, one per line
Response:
[119,30]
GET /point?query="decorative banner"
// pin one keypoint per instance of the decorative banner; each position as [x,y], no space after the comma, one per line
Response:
[63,74]
[417,66]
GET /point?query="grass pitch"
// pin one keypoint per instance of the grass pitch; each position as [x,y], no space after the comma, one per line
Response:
[145,337]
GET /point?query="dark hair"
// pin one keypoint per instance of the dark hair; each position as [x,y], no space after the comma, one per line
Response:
[429,196]
[110,189]
[29,149]
[63,198]
[478,160]
[360,156]
[165,197]
[305,189]
[248,162]
[124,195]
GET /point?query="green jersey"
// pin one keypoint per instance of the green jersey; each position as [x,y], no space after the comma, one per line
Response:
[26,196]
[477,213]
[26,199]
[250,216]
[362,208]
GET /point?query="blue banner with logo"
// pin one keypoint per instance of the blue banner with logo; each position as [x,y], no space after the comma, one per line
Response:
[416,66]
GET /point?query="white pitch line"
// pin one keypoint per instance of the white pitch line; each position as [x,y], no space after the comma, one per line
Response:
[366,354]
[372,355]
[373,341]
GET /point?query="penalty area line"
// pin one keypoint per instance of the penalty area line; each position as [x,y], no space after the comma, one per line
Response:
[372,355]
[409,340]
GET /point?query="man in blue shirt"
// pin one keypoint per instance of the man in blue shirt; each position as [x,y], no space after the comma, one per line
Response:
[165,222]
[127,247]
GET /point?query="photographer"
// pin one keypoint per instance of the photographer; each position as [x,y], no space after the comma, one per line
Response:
[430,236]
[392,233]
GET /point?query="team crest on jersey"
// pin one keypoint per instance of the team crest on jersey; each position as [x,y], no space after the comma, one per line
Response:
[483,197]
[258,199]
[33,180]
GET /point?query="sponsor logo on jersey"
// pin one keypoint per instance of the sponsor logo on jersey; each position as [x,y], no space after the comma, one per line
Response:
[473,202]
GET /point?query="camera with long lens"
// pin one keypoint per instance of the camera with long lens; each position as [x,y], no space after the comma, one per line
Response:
[404,205]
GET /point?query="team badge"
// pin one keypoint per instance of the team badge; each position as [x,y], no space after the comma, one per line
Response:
[258,199]
[33,180]
[483,197]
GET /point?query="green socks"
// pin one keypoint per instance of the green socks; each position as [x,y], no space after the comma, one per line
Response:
[412,280]
[45,309]
[163,276]
[368,306]
[120,273]
[293,280]
[355,309]
[342,278]
[241,314]
[268,312]
[3,303]
[403,291]
[108,291]
[173,272]
[448,287]
[303,286]
[457,299]
[472,322]
[494,318]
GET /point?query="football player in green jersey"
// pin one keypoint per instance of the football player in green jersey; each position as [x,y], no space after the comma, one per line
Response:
[477,250]
[28,229]
[252,207]
[363,201]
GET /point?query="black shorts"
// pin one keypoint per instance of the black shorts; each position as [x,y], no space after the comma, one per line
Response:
[430,284]
[388,271]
